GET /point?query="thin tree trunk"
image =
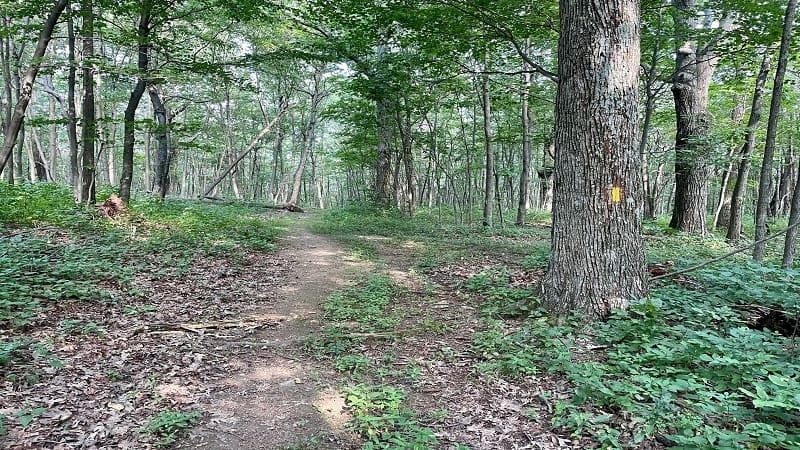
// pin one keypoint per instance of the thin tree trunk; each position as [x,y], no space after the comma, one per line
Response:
[764,187]
[164,151]
[317,95]
[790,244]
[129,118]
[488,199]
[740,188]
[525,176]
[88,120]
[72,116]
[53,136]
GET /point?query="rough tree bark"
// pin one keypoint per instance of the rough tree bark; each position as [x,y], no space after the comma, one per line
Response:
[597,262]
[26,86]
[88,120]
[740,188]
[694,67]
[764,187]
[72,116]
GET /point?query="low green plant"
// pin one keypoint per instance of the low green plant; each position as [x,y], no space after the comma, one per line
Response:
[167,426]
[500,299]
[26,416]
[355,365]
[380,417]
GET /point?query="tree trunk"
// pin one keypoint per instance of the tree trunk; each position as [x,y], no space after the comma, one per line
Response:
[37,158]
[764,187]
[597,261]
[26,85]
[129,118]
[309,135]
[407,140]
[72,116]
[488,198]
[88,121]
[164,152]
[740,188]
[525,176]
[53,138]
[790,244]
[383,164]
[693,70]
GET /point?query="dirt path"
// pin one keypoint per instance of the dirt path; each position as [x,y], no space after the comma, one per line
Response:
[277,397]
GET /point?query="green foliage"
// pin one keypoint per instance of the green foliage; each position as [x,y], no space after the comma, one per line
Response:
[26,416]
[41,204]
[69,253]
[364,304]
[168,426]
[379,415]
[359,309]
[190,226]
[501,300]
[355,365]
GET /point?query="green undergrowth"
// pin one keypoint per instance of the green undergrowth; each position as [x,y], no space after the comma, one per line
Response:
[688,366]
[433,238]
[53,251]
[379,410]
[380,415]
[353,313]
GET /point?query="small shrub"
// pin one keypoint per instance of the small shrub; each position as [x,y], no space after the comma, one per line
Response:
[168,426]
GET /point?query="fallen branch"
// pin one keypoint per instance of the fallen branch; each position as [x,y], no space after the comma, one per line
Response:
[725,256]
[291,207]
[199,328]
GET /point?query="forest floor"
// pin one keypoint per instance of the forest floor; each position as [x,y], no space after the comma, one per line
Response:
[196,326]
[242,349]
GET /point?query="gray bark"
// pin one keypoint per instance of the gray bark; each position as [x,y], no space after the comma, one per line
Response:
[597,261]
[740,188]
[764,187]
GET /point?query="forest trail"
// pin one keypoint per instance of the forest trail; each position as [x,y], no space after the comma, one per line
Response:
[280,398]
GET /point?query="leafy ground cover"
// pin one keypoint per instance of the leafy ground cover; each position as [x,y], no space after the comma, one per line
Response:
[96,340]
[709,360]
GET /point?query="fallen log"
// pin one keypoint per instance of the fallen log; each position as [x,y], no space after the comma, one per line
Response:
[291,207]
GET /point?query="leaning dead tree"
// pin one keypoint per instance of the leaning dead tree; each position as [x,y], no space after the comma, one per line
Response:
[227,171]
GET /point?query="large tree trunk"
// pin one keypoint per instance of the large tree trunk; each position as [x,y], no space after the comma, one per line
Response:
[129,120]
[26,85]
[693,70]
[488,197]
[597,262]
[88,121]
[740,187]
[764,187]
[309,135]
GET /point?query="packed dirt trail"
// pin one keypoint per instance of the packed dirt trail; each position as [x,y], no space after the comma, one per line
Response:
[278,397]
